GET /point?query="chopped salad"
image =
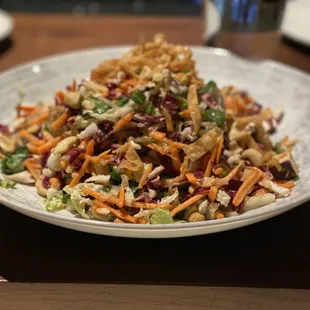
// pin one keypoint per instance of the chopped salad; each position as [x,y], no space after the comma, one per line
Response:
[144,140]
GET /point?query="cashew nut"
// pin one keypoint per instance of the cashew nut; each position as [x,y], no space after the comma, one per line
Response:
[40,189]
[73,100]
[88,105]
[23,177]
[196,217]
[255,157]
[7,144]
[65,145]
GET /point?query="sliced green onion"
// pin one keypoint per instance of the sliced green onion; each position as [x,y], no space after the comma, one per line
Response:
[138,97]
[122,101]
[208,88]
[150,109]
[215,116]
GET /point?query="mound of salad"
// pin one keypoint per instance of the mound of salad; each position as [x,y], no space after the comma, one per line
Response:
[144,140]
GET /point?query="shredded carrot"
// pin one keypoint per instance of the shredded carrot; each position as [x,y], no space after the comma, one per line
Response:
[39,120]
[169,122]
[60,95]
[224,181]
[106,93]
[123,122]
[245,187]
[90,147]
[146,173]
[47,135]
[212,193]
[80,173]
[157,135]
[218,171]
[149,205]
[177,145]
[33,149]
[55,183]
[210,163]
[25,108]
[284,140]
[121,199]
[122,214]
[30,137]
[260,191]
[156,148]
[185,114]
[48,146]
[73,85]
[219,150]
[288,185]
[180,178]
[34,172]
[63,164]
[176,162]
[60,121]
[117,220]
[218,215]
[187,203]
[191,178]
[115,200]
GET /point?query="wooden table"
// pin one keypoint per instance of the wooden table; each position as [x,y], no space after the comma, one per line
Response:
[273,254]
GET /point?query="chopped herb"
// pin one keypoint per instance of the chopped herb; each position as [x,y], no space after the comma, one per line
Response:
[115,176]
[185,70]
[133,186]
[122,101]
[295,179]
[47,128]
[184,104]
[211,86]
[4,183]
[106,189]
[215,116]
[138,71]
[224,173]
[138,97]
[101,107]
[150,109]
[278,148]
[65,198]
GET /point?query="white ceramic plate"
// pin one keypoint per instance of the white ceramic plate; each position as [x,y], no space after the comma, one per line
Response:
[271,83]
[296,21]
[6,25]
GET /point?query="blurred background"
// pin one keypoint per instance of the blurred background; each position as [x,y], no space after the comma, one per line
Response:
[161,7]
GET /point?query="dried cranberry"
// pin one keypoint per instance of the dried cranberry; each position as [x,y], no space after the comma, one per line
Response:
[46,182]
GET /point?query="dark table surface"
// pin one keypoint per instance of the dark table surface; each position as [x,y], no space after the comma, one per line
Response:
[273,253]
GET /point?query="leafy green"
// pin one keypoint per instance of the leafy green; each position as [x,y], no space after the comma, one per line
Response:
[184,104]
[101,107]
[224,174]
[208,88]
[54,204]
[106,189]
[22,152]
[161,216]
[150,109]
[115,176]
[65,198]
[81,122]
[4,183]
[122,101]
[138,97]
[12,164]
[215,116]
